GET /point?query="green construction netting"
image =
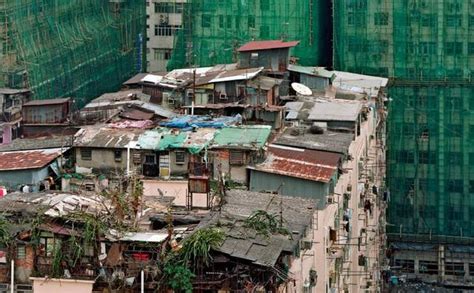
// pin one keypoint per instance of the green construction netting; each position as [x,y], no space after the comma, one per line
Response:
[426,48]
[75,48]
[213,30]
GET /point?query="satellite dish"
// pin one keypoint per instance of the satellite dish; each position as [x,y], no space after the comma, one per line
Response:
[301,89]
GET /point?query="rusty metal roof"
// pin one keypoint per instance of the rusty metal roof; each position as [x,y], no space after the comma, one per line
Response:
[267,45]
[136,114]
[23,160]
[300,163]
[47,102]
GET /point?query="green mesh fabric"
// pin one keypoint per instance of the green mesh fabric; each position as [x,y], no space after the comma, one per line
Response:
[213,29]
[75,48]
[426,48]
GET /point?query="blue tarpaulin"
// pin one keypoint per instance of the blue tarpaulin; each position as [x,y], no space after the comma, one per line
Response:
[190,121]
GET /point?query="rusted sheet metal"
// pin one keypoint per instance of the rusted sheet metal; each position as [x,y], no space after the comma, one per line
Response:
[199,184]
[135,114]
[300,163]
[47,102]
[22,160]
[267,45]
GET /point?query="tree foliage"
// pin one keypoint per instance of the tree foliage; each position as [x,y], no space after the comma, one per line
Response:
[265,223]
[197,248]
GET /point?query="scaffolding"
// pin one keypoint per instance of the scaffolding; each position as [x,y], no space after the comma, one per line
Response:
[426,48]
[213,30]
[76,48]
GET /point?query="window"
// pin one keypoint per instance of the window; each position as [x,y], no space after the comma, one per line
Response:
[206,21]
[453,20]
[454,186]
[471,269]
[264,4]
[453,48]
[264,31]
[48,245]
[179,157]
[150,159]
[251,21]
[169,7]
[381,18]
[162,54]
[86,154]
[428,267]
[118,155]
[236,158]
[470,48]
[428,20]
[455,268]
[221,21]
[405,265]
[21,252]
[137,158]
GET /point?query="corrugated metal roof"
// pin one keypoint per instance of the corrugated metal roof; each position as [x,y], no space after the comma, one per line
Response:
[244,136]
[300,163]
[47,102]
[102,137]
[10,91]
[23,144]
[144,237]
[264,82]
[359,83]
[135,114]
[135,79]
[233,75]
[152,78]
[267,45]
[24,160]
[310,70]
[335,110]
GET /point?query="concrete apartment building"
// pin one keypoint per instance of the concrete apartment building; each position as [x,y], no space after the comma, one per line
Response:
[164,21]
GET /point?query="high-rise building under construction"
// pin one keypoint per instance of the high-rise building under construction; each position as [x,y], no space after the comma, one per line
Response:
[213,30]
[426,47]
[76,48]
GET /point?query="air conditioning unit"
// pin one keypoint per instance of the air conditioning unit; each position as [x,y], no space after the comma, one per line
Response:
[306,244]
[223,96]
[330,199]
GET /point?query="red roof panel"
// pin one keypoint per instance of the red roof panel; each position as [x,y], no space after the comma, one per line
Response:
[267,45]
[27,159]
[300,163]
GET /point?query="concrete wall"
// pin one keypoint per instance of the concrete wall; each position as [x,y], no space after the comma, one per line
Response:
[179,169]
[175,189]
[158,46]
[45,285]
[103,159]
[221,164]
[324,220]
